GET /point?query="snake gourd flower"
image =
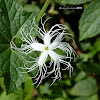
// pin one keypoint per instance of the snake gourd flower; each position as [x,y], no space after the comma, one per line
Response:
[53,39]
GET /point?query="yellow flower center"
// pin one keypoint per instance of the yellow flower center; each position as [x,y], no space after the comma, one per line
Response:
[46,48]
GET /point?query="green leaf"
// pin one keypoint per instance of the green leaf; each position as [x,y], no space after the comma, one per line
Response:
[80,76]
[90,21]
[28,88]
[1,83]
[22,1]
[89,68]
[3,47]
[59,99]
[39,98]
[93,97]
[96,46]
[4,58]
[13,75]
[87,45]
[12,18]
[3,96]
[93,50]
[4,52]
[32,8]
[84,87]
[45,89]
[86,56]
[76,2]
[73,2]
[3,39]
[15,95]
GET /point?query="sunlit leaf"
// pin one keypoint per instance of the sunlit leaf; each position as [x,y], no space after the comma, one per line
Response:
[84,87]
[90,21]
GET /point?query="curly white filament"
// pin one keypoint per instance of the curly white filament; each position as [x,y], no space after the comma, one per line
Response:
[58,33]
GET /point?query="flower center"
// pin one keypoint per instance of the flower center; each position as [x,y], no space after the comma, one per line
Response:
[47,48]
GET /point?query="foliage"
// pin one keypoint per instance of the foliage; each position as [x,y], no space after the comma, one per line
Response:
[90,21]
[73,2]
[84,83]
[12,18]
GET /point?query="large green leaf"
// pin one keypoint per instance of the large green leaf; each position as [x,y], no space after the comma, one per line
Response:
[89,68]
[84,87]
[73,2]
[12,18]
[13,75]
[90,21]
[93,97]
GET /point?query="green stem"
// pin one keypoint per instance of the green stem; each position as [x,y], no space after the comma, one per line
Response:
[43,10]
[22,92]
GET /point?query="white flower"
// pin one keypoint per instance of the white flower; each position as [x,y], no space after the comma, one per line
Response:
[51,41]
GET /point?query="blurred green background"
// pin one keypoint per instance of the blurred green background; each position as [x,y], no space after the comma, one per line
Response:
[84,24]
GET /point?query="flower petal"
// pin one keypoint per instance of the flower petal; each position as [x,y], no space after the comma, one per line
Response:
[37,46]
[54,45]
[53,55]
[42,58]
[47,39]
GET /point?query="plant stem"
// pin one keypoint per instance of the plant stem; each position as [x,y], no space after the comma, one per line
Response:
[22,92]
[43,10]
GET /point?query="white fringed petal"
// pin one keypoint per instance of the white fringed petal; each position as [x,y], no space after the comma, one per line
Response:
[54,45]
[54,56]
[47,39]
[42,58]
[37,46]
